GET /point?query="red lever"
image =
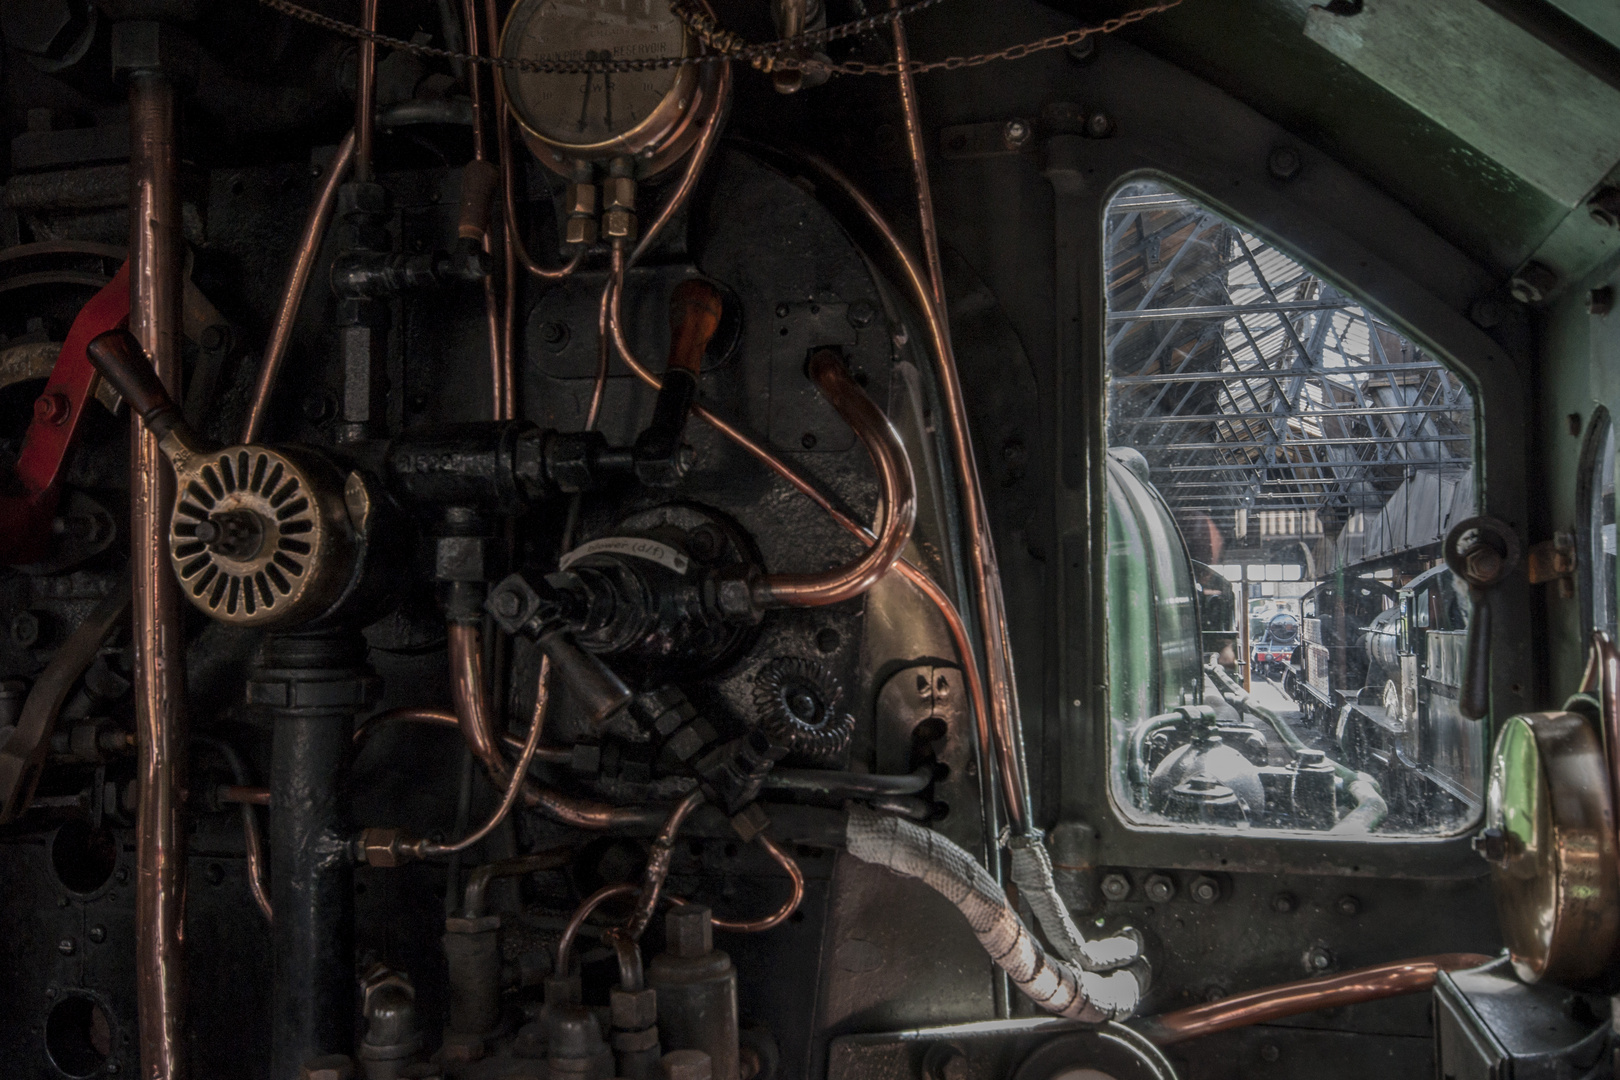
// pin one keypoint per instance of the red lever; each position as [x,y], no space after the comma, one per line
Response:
[28,497]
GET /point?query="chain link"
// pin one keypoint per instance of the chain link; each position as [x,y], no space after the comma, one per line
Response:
[788,53]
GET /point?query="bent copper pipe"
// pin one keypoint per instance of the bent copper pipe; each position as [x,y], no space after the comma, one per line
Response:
[658,864]
[1006,724]
[309,248]
[556,755]
[912,573]
[781,914]
[565,944]
[425,848]
[156,262]
[472,903]
[898,504]
[1308,995]
[472,712]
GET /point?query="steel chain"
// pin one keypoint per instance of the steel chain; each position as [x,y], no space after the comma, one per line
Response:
[787,53]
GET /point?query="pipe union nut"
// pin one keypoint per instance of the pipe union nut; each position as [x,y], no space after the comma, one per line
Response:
[385,847]
[634,1010]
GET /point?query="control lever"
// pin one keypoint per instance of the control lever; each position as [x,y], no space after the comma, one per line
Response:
[118,356]
[694,316]
[1482,551]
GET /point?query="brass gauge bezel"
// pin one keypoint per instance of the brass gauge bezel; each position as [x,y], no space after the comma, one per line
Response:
[657,142]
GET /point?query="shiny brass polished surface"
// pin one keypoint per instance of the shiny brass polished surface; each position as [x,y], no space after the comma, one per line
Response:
[651,116]
[1555,880]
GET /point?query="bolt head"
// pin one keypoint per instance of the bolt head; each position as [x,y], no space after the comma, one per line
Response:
[1283,903]
[1115,887]
[1348,906]
[633,1010]
[1318,958]
[1015,133]
[1205,889]
[1534,283]
[1269,1052]
[1159,888]
[67,946]
[689,931]
[52,408]
[98,933]
[1284,162]
[1099,125]
[686,1065]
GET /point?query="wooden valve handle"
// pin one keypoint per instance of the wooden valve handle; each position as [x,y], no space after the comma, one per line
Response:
[694,316]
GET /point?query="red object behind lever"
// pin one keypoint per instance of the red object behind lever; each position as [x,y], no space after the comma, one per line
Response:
[28,502]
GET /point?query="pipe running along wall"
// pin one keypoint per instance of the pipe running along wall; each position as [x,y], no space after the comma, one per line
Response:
[1056,985]
[156,266]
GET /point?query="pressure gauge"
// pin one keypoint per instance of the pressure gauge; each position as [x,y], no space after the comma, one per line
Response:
[652,116]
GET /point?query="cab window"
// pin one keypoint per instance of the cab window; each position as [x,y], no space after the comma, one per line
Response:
[1284,641]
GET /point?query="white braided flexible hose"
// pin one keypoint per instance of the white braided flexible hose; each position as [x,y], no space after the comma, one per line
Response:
[1032,873]
[1054,984]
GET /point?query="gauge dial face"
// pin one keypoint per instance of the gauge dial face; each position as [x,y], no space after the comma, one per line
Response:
[618,112]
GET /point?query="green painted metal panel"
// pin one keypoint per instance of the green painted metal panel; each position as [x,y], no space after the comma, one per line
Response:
[1510,96]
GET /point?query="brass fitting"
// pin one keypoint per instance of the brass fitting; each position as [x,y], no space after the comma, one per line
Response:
[386,847]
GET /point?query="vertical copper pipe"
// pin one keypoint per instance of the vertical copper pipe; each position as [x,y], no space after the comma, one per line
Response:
[155,258]
[500,390]
[981,543]
[914,142]
[981,546]
[509,261]
[309,248]
[467,692]
[365,95]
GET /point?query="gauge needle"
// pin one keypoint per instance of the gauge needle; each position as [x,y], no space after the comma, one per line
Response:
[607,94]
[585,100]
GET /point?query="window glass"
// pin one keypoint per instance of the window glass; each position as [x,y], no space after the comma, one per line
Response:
[1285,642]
[1600,539]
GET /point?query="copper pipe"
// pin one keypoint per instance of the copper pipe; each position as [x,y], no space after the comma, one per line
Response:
[615,280]
[702,149]
[897,507]
[1606,659]
[500,388]
[781,914]
[247,796]
[914,143]
[365,95]
[556,755]
[254,847]
[503,153]
[472,710]
[472,904]
[1308,995]
[516,251]
[925,584]
[565,944]
[156,259]
[309,248]
[663,846]
[424,848]
[1006,723]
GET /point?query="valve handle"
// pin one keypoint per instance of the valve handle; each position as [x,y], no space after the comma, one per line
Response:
[695,308]
[1482,551]
[124,364]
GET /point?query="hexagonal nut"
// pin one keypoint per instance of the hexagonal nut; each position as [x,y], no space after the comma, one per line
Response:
[1159,888]
[619,224]
[633,1009]
[143,45]
[385,847]
[327,1067]
[579,229]
[636,1042]
[580,199]
[686,1065]
[1204,889]
[1534,283]
[619,193]
[734,598]
[684,743]
[1115,886]
[512,603]
[689,930]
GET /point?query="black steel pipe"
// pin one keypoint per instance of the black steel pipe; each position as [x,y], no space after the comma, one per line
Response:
[311,687]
